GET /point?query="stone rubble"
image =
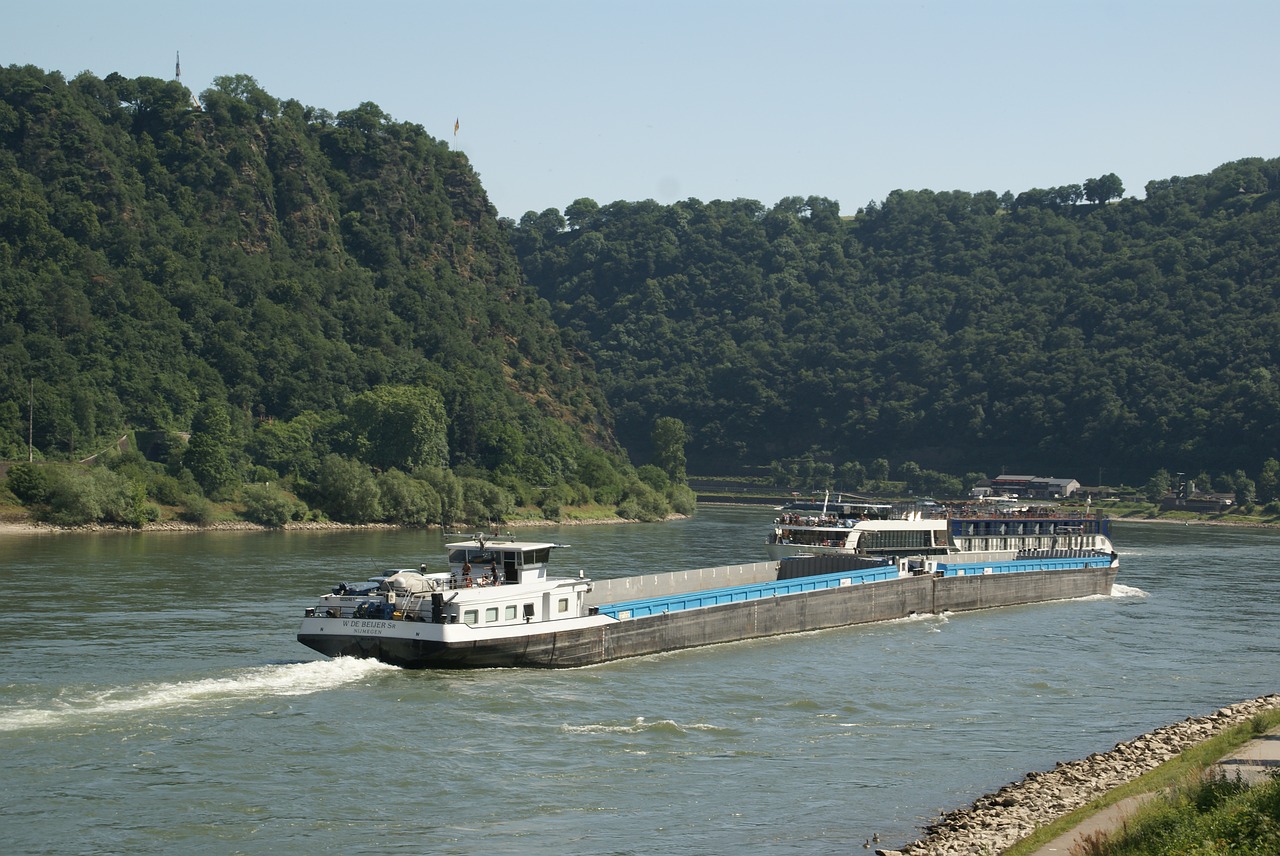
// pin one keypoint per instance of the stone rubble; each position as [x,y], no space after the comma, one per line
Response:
[1000,820]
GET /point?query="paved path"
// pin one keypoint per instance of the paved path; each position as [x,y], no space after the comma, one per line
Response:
[1252,762]
[1108,820]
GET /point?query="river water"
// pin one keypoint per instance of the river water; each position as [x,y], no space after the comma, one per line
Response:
[153,699]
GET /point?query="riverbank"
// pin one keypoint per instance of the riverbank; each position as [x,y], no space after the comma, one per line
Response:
[1197,521]
[11,527]
[997,821]
[15,521]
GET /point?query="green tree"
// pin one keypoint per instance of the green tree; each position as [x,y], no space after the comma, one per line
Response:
[654,477]
[851,475]
[1269,481]
[347,491]
[669,439]
[400,427]
[1158,486]
[78,496]
[682,499]
[1245,490]
[484,502]
[599,474]
[448,488]
[74,498]
[934,483]
[552,500]
[1104,188]
[271,506]
[208,454]
[287,447]
[642,502]
[246,90]
[580,212]
[29,483]
[407,500]
[501,446]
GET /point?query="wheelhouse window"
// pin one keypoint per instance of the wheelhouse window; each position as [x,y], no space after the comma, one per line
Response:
[480,557]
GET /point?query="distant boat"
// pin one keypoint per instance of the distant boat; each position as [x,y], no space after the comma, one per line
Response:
[981,531]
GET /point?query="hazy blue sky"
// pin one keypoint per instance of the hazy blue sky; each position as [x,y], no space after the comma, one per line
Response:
[714,99]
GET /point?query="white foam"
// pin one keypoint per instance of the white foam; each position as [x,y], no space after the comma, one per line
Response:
[941,618]
[264,681]
[637,726]
[1117,592]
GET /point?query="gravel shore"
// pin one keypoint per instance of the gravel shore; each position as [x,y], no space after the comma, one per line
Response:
[999,820]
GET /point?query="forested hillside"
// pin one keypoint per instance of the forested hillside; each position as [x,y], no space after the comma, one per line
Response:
[1060,330]
[328,304]
[288,285]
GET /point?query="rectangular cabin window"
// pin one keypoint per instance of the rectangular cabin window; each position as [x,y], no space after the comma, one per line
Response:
[896,539]
[509,613]
[563,605]
[528,611]
[471,616]
[491,614]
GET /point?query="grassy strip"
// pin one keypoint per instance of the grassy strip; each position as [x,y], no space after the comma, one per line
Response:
[1216,815]
[1181,772]
[1250,515]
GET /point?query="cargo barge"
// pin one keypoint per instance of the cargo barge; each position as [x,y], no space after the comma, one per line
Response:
[497,605]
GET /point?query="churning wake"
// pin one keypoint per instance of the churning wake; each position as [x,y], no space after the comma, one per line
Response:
[91,707]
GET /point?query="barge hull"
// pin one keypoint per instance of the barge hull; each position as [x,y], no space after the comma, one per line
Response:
[731,622]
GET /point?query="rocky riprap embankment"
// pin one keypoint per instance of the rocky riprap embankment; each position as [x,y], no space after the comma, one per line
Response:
[1002,819]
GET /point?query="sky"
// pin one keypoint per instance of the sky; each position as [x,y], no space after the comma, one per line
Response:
[558,100]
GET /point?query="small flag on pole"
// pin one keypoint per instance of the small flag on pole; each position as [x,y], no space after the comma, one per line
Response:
[455,127]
